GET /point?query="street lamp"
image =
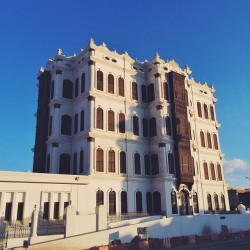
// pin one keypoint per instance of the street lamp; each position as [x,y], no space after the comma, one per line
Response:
[77,179]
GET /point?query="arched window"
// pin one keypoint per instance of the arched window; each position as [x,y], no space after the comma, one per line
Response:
[168,126]
[145,127]
[134,91]
[205,171]
[82,121]
[81,163]
[152,127]
[111,161]
[174,202]
[223,203]
[99,160]
[76,87]
[66,125]
[76,124]
[195,203]
[138,202]
[137,163]
[83,83]
[202,139]
[151,92]
[149,202]
[121,86]
[112,202]
[52,87]
[121,123]
[75,163]
[219,172]
[135,125]
[209,202]
[99,118]
[124,202]
[216,202]
[212,113]
[123,167]
[212,171]
[215,141]
[205,111]
[50,125]
[147,165]
[171,163]
[64,164]
[99,198]
[110,84]
[67,89]
[165,89]
[99,80]
[199,109]
[48,164]
[154,164]
[209,142]
[143,93]
[157,202]
[111,121]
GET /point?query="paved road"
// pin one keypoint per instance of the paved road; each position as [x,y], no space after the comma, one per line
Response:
[242,244]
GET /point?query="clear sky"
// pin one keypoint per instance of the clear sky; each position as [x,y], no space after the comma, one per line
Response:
[211,36]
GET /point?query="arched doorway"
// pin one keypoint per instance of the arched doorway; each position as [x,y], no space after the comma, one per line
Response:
[185,203]
[112,203]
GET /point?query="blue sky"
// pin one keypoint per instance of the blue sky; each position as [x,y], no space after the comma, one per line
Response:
[211,36]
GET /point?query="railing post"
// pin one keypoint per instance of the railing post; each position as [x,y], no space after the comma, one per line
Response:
[34,223]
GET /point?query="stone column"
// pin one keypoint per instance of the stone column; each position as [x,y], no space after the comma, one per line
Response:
[61,207]
[54,158]
[51,206]
[158,86]
[14,207]
[91,75]
[91,154]
[34,222]
[91,111]
[163,159]
[160,119]
[58,85]
[56,120]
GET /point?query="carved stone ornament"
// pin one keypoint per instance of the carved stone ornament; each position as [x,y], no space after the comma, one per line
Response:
[174,66]
[41,70]
[91,41]
[188,70]
[59,52]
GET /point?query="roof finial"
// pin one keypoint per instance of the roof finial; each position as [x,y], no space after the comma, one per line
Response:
[157,57]
[91,41]
[59,52]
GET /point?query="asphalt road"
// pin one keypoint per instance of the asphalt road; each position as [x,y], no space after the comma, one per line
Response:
[241,244]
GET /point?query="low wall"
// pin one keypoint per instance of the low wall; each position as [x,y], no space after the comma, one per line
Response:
[159,228]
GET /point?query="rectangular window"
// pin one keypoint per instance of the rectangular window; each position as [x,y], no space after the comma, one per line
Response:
[46,210]
[20,211]
[8,208]
[56,210]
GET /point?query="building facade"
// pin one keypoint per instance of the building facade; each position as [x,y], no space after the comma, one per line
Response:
[145,133]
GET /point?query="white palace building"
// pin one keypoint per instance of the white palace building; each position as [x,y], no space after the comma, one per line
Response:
[139,138]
